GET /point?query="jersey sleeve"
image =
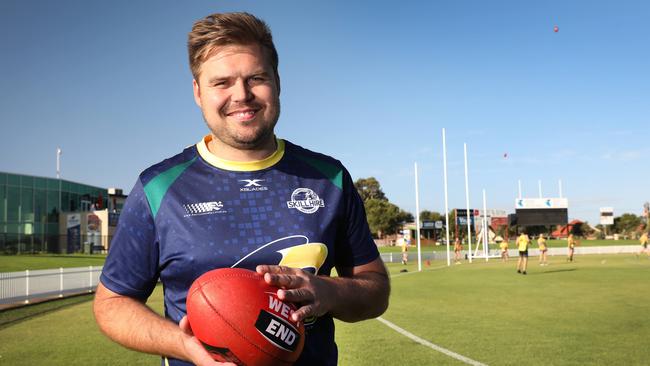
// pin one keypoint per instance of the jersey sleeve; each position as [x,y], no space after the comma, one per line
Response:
[355,246]
[131,268]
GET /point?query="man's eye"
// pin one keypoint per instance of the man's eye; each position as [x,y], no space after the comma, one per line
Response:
[258,79]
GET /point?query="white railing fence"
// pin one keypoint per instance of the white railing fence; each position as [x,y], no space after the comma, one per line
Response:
[396,257]
[26,286]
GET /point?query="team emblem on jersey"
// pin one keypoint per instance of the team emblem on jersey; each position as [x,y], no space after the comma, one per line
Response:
[292,251]
[305,200]
[253,185]
[203,208]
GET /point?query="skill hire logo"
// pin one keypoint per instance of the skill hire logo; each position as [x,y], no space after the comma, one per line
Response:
[305,200]
[276,325]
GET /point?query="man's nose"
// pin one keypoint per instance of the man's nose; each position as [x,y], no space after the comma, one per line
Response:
[241,91]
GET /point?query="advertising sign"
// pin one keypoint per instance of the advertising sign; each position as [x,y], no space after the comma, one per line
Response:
[94,231]
[73,226]
[427,225]
[462,221]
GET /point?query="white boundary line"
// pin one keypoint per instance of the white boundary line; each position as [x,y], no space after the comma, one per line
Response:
[426,343]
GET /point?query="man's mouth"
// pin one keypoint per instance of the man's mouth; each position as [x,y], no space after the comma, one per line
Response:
[243,114]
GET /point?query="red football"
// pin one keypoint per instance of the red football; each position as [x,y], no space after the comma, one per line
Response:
[238,318]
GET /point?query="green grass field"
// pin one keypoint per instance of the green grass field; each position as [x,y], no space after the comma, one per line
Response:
[13,263]
[593,311]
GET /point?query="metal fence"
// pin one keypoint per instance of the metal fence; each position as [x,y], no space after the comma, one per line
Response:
[27,286]
[396,257]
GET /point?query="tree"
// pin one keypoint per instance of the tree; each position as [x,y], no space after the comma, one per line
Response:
[431,216]
[383,217]
[406,216]
[627,223]
[369,188]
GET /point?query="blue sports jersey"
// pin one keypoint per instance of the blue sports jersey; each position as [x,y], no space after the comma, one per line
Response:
[195,212]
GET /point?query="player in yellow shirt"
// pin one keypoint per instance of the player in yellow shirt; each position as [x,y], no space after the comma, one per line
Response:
[457,248]
[644,243]
[405,248]
[571,243]
[522,246]
[504,250]
[541,242]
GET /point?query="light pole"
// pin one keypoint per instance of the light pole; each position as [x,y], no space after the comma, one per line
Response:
[58,176]
[58,173]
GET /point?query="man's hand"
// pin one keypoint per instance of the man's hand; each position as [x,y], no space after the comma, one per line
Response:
[132,324]
[193,348]
[358,293]
[314,295]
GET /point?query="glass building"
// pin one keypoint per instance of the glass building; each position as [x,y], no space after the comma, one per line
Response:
[30,207]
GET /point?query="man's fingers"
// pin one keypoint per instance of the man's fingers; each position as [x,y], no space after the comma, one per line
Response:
[303,313]
[283,280]
[300,295]
[184,324]
[265,268]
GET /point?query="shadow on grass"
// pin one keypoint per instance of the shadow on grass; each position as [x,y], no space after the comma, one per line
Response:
[12,316]
[70,256]
[553,271]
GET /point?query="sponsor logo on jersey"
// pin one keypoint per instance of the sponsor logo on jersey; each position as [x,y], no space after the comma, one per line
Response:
[305,200]
[253,185]
[204,208]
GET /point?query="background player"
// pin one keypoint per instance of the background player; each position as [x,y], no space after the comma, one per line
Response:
[643,240]
[504,250]
[405,249]
[522,247]
[541,242]
[458,247]
[571,244]
[240,198]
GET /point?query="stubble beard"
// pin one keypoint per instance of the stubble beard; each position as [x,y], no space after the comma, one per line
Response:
[254,142]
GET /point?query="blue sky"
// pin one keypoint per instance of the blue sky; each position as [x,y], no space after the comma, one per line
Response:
[370,83]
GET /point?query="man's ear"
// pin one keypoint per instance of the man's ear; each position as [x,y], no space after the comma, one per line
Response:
[197,92]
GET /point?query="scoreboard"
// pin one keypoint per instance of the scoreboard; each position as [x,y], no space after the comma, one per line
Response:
[542,216]
[542,211]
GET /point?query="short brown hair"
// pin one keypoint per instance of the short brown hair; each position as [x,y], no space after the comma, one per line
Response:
[222,29]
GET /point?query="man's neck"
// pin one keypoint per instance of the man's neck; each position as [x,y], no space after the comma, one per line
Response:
[226,152]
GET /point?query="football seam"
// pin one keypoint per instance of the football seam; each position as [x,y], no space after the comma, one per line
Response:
[232,326]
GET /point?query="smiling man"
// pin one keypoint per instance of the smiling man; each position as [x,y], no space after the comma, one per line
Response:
[240,197]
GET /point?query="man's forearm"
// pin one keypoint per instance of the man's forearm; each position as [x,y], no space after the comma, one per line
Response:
[361,297]
[134,325]
[358,293]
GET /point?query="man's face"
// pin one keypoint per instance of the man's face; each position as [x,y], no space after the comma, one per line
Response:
[238,92]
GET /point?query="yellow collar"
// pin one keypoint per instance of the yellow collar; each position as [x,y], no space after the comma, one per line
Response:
[239,166]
